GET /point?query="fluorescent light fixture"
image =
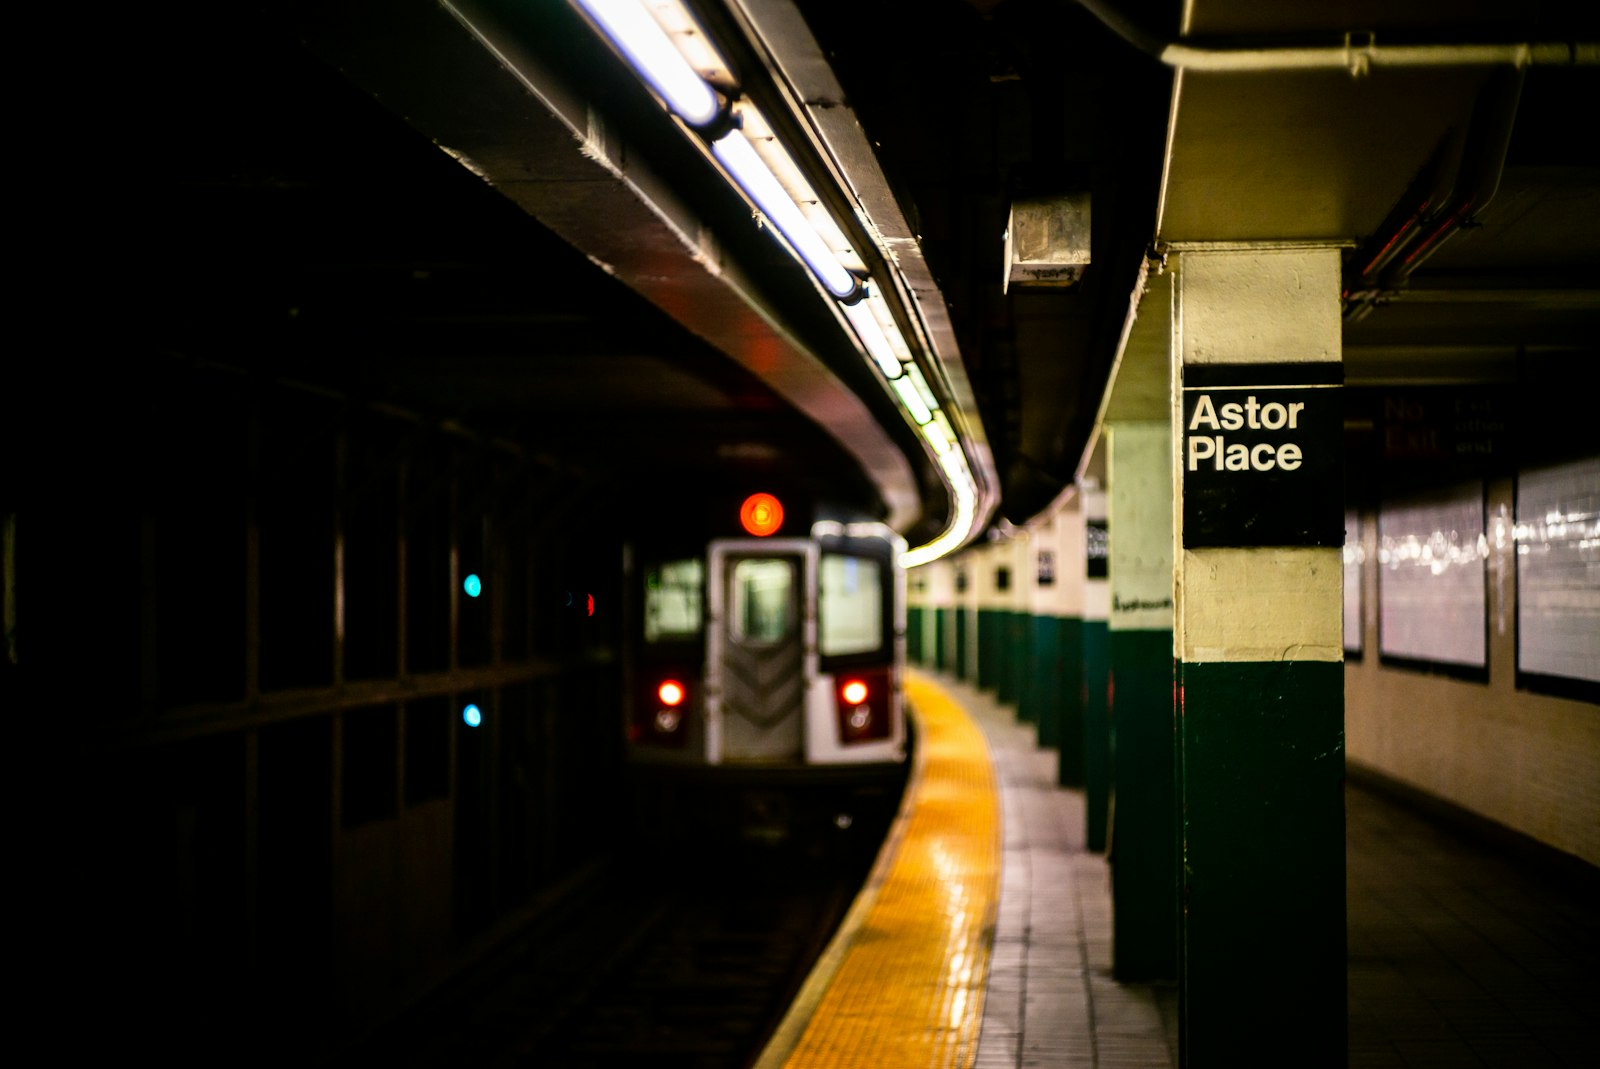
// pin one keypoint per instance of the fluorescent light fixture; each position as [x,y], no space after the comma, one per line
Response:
[876,342]
[955,534]
[911,399]
[672,54]
[891,330]
[752,122]
[735,153]
[914,373]
[964,501]
[640,38]
[955,466]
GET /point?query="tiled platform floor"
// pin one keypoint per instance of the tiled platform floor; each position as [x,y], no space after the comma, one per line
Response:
[1459,958]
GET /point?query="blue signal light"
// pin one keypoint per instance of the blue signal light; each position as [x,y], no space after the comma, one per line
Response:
[472,585]
[472,716]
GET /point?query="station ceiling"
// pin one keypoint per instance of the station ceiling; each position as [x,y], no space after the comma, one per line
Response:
[355,195]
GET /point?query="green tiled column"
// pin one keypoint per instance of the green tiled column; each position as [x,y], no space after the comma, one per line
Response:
[938,601]
[1013,658]
[1144,876]
[1096,663]
[989,648]
[1038,669]
[1068,702]
[963,627]
[1258,634]
[1095,668]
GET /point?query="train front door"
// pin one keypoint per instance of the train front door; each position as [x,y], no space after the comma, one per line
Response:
[760,649]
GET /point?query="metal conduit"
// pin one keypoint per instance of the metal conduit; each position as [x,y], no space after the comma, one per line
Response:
[1358,55]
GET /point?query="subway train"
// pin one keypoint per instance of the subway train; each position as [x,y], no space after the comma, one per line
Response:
[764,672]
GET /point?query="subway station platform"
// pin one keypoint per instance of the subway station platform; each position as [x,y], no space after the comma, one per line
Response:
[1459,955]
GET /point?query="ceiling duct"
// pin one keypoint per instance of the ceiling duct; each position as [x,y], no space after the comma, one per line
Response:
[1047,241]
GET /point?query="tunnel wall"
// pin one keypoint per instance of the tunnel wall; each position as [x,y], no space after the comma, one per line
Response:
[1517,757]
[296,828]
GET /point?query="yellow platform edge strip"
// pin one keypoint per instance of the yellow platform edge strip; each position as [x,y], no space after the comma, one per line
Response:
[901,983]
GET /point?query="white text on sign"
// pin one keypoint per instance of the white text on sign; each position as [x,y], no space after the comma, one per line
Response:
[1233,416]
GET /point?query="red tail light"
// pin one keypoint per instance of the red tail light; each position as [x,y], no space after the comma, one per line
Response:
[864,707]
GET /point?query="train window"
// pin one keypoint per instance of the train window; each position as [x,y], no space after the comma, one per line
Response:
[761,598]
[851,605]
[672,606]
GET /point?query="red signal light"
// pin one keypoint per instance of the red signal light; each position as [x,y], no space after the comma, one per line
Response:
[854,692]
[761,514]
[670,692]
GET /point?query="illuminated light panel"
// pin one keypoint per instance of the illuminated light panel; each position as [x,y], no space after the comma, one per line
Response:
[891,330]
[670,692]
[964,493]
[472,585]
[690,40]
[472,716]
[854,692]
[912,400]
[761,514]
[661,40]
[764,140]
[752,175]
[914,373]
[955,466]
[646,46]
[872,337]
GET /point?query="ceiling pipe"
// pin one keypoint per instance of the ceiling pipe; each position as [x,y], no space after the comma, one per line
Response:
[1440,202]
[1435,207]
[1483,159]
[1358,55]
[1430,189]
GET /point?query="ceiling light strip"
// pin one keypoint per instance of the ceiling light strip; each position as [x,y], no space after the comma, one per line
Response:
[873,338]
[654,55]
[920,412]
[734,151]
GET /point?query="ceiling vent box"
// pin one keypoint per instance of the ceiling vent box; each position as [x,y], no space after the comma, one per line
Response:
[1047,241]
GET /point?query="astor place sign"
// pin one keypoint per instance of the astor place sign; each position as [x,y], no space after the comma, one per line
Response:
[1262,455]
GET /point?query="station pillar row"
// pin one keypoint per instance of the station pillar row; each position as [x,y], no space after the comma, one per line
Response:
[1061,724]
[1257,448]
[1094,667]
[1140,696]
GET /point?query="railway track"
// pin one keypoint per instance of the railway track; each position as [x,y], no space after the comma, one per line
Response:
[671,961]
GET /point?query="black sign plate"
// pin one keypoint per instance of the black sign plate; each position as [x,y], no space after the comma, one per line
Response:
[1099,548]
[1047,567]
[1263,455]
